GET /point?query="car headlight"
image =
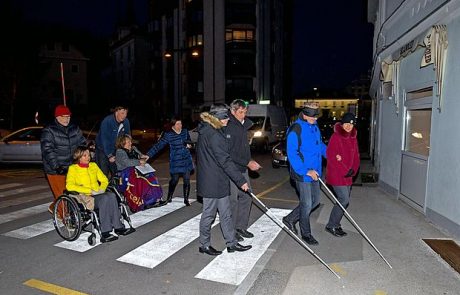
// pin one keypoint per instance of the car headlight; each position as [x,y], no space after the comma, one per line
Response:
[258,134]
[278,151]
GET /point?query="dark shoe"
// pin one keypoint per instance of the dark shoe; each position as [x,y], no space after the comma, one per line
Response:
[336,231]
[209,250]
[244,233]
[310,240]
[340,232]
[238,247]
[186,202]
[108,238]
[159,204]
[238,237]
[125,231]
[290,225]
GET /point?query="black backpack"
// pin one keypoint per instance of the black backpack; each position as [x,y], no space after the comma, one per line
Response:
[295,127]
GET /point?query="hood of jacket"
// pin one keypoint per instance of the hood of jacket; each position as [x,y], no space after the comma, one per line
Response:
[211,120]
[340,131]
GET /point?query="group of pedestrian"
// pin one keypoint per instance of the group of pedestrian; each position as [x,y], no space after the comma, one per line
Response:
[223,159]
[305,150]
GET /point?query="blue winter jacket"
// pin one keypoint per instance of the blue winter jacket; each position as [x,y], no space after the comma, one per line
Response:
[180,159]
[108,134]
[312,149]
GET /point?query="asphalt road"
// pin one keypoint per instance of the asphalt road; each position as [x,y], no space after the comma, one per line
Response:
[162,256]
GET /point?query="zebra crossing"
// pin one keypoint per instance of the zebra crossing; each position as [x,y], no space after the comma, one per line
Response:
[227,268]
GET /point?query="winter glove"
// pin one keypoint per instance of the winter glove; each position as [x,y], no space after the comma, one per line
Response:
[350,173]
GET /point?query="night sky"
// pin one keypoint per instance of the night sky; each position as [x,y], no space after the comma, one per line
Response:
[332,42]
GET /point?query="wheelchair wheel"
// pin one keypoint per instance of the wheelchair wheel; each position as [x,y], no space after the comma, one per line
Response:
[67,218]
[92,239]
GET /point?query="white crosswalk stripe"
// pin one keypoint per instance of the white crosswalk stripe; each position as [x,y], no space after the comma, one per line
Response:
[231,268]
[7,217]
[23,190]
[138,219]
[29,198]
[31,231]
[162,247]
[10,185]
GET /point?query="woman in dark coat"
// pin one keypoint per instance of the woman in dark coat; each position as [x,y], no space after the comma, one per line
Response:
[180,159]
[342,165]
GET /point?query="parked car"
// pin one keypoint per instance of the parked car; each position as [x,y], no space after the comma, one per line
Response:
[279,155]
[22,146]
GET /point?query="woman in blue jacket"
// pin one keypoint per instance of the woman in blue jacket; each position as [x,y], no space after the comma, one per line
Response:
[180,159]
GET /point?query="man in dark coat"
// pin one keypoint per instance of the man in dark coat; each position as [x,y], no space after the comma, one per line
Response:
[240,152]
[214,168]
[58,143]
[113,126]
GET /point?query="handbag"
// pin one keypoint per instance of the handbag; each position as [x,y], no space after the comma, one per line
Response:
[85,200]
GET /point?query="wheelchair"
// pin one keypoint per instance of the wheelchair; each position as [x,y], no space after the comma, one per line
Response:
[71,217]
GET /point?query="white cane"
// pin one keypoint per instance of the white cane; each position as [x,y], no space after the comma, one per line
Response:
[283,226]
[353,221]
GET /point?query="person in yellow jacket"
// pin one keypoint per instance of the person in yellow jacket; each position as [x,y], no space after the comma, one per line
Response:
[87,178]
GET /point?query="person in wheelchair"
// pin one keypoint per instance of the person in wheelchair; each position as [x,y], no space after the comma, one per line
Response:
[86,178]
[137,178]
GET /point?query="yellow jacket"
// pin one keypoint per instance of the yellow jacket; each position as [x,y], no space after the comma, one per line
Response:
[86,180]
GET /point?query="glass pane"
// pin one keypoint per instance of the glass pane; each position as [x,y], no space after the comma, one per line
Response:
[418,131]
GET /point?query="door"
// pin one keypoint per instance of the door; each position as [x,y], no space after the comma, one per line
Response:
[415,155]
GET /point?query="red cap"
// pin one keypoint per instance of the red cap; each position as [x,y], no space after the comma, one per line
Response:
[62,110]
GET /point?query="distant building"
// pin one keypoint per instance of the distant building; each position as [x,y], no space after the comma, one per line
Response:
[215,51]
[415,89]
[130,52]
[75,65]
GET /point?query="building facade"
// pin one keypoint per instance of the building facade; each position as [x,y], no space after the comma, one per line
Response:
[209,51]
[415,95]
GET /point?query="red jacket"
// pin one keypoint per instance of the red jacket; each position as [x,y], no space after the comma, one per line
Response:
[344,144]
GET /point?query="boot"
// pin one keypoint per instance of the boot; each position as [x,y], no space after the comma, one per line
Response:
[186,194]
[170,196]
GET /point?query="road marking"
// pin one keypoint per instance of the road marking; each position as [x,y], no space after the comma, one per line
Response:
[51,288]
[31,231]
[262,194]
[338,269]
[7,217]
[137,219]
[23,190]
[10,185]
[231,268]
[162,247]
[25,199]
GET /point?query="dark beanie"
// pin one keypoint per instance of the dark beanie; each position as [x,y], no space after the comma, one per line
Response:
[219,110]
[348,118]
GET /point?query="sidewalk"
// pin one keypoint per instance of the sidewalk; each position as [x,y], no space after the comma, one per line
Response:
[396,230]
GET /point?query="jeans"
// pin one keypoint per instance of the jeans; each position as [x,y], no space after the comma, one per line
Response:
[308,199]
[343,195]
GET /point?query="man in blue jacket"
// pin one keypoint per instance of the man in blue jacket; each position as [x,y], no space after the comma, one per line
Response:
[113,126]
[304,150]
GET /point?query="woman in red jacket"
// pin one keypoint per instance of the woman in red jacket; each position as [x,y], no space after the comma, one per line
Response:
[342,165]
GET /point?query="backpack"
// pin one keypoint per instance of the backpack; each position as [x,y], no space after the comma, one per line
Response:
[295,127]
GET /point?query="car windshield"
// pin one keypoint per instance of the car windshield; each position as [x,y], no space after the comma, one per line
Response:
[26,135]
[258,122]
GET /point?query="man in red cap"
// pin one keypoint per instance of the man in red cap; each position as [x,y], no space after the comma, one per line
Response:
[58,143]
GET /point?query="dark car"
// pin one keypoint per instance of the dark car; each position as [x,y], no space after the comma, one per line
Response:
[279,155]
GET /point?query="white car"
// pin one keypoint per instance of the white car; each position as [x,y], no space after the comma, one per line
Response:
[22,146]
